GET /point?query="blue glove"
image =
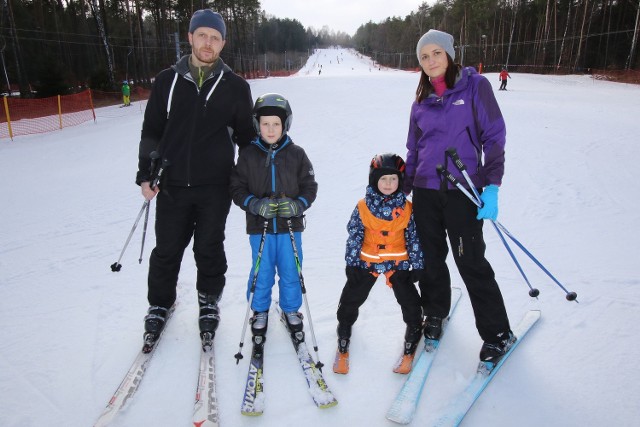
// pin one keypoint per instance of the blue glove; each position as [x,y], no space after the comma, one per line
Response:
[490,199]
[288,208]
[265,207]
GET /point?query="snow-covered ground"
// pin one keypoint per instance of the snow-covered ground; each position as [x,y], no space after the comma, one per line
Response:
[70,327]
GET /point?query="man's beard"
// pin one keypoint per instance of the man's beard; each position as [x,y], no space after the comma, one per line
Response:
[210,58]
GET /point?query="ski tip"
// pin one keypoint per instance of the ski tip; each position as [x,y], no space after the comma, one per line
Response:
[404,364]
[328,405]
[398,420]
[535,313]
[341,363]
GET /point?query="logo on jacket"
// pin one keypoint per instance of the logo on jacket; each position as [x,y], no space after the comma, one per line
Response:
[459,102]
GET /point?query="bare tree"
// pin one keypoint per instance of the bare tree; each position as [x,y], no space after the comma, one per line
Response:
[634,43]
[97,8]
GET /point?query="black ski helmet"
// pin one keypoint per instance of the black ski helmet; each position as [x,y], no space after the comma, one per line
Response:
[272,104]
[385,164]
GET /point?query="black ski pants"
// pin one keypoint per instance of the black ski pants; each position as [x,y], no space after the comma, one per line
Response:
[359,284]
[441,213]
[181,213]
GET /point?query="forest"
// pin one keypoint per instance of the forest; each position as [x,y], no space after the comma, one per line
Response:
[50,47]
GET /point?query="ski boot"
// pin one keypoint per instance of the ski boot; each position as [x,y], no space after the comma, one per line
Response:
[154,323]
[259,323]
[293,320]
[433,327]
[341,362]
[209,318]
[412,337]
[491,353]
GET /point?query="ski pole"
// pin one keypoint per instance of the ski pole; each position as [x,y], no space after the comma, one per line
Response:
[252,290]
[478,202]
[144,232]
[154,183]
[570,296]
[319,364]
[116,266]
[451,152]
[475,198]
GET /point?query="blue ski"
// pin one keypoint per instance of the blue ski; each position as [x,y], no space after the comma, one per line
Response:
[404,406]
[453,414]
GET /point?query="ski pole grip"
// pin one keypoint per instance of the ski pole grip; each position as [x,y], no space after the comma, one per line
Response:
[448,175]
[154,156]
[156,180]
[453,153]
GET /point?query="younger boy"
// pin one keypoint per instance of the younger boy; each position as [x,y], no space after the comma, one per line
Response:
[382,240]
[274,183]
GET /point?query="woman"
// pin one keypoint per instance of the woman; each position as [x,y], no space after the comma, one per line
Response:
[455,107]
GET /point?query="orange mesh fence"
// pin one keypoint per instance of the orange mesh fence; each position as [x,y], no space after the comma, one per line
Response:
[29,116]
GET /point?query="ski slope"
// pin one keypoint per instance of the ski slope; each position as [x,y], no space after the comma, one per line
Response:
[70,327]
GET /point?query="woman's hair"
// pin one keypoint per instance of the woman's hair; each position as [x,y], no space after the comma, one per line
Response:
[424,85]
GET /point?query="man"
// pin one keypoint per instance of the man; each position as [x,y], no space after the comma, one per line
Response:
[197,110]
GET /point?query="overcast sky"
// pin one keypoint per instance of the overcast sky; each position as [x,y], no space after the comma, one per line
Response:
[339,15]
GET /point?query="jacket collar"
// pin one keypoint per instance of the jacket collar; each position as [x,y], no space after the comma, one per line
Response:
[182,67]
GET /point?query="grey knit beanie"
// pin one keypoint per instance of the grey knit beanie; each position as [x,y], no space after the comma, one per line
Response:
[442,39]
[208,18]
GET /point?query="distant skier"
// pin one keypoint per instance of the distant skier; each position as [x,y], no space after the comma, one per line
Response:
[126,93]
[503,79]
[382,241]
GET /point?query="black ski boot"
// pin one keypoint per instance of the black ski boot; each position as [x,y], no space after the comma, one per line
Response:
[493,352]
[433,327]
[344,337]
[154,323]
[412,337]
[209,318]
[293,320]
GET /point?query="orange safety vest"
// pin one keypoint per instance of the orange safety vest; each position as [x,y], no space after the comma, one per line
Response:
[384,240]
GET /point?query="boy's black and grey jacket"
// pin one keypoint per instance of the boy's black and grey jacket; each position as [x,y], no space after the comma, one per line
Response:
[261,172]
[193,128]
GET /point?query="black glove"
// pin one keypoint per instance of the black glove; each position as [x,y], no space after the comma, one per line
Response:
[265,207]
[288,208]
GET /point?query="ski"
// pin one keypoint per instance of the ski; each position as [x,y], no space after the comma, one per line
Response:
[453,414]
[253,400]
[131,380]
[404,406]
[205,409]
[318,388]
[341,363]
